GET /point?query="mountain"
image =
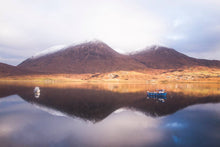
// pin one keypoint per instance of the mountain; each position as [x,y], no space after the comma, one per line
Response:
[98,57]
[159,57]
[9,70]
[90,57]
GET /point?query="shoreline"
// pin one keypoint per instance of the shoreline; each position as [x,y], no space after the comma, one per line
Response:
[60,79]
[200,75]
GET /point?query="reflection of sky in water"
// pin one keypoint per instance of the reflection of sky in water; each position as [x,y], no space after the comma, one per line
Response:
[22,124]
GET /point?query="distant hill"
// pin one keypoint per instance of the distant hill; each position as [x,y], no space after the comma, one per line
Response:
[159,57]
[91,57]
[9,70]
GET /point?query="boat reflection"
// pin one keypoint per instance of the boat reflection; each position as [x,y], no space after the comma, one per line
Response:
[158,98]
[37,95]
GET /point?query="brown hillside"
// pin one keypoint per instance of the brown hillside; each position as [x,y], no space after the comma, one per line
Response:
[158,57]
[9,70]
[91,57]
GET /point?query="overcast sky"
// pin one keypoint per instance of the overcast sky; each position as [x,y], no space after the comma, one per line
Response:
[30,26]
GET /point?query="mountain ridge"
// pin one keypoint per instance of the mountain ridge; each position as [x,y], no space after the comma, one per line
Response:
[98,57]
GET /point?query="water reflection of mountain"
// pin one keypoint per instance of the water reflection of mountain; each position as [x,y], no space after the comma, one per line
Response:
[95,105]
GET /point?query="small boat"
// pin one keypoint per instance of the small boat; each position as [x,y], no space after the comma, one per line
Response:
[36,90]
[157,94]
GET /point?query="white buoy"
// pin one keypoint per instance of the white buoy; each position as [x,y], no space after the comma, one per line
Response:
[36,90]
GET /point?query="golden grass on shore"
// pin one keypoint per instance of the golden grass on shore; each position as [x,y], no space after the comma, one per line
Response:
[199,74]
[192,81]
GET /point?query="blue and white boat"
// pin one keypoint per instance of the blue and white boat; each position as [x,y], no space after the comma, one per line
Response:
[157,94]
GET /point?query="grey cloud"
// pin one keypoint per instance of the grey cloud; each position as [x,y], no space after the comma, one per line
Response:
[27,27]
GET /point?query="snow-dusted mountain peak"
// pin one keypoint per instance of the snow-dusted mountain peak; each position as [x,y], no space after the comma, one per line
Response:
[50,50]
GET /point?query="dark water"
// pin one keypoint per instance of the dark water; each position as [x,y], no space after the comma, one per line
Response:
[109,115]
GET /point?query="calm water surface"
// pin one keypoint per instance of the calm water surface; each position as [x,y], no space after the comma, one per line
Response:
[109,115]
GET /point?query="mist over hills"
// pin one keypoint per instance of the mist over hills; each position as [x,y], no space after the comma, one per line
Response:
[98,57]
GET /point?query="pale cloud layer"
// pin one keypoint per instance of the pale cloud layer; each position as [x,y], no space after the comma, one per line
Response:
[28,27]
